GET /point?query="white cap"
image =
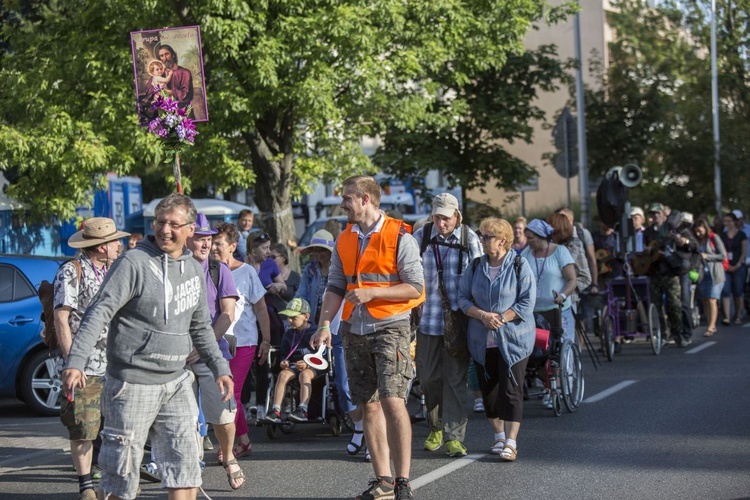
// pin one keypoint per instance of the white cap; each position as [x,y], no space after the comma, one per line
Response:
[737,213]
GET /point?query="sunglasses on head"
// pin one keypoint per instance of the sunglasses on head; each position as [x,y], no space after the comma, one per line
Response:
[261,238]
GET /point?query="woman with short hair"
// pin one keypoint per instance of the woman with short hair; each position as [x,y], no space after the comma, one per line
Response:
[498,292]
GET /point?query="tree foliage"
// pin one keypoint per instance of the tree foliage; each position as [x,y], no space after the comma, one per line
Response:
[496,108]
[652,106]
[293,85]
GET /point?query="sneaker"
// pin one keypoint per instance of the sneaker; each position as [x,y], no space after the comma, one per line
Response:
[378,489]
[478,405]
[403,489]
[454,448]
[273,417]
[368,457]
[150,473]
[299,415]
[434,441]
[90,494]
[96,472]
[207,444]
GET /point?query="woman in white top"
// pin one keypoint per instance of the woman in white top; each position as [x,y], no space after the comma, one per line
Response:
[250,312]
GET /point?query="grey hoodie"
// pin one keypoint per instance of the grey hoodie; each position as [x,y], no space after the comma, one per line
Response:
[156,305]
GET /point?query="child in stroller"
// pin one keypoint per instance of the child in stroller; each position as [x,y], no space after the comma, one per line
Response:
[294,345]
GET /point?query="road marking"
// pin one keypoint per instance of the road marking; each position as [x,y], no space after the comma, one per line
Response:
[699,348]
[441,472]
[608,392]
[746,325]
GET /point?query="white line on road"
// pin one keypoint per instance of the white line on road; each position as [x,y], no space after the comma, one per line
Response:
[699,348]
[746,325]
[445,470]
[608,392]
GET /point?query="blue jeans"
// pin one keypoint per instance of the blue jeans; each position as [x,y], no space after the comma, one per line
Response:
[734,286]
[341,379]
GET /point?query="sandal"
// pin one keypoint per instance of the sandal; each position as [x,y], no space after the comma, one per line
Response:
[219,458]
[709,333]
[508,454]
[352,448]
[497,447]
[242,450]
[725,321]
[737,321]
[234,476]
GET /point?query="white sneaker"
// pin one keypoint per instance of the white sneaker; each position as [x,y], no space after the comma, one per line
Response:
[478,405]
[260,414]
[547,400]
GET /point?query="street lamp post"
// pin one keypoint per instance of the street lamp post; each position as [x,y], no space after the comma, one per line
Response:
[715,109]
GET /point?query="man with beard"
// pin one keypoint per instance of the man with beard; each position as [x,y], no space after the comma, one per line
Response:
[180,87]
[376,273]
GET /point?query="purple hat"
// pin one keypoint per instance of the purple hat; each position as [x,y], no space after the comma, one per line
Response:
[203,227]
[540,228]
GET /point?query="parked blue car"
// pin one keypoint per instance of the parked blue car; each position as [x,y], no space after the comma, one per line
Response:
[26,369]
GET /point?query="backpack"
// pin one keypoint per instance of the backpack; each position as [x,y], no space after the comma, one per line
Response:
[725,262]
[46,295]
[213,271]
[578,252]
[462,247]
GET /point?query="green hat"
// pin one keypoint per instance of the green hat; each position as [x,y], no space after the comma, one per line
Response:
[296,307]
[655,207]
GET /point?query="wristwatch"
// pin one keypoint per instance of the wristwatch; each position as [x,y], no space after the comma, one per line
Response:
[502,320]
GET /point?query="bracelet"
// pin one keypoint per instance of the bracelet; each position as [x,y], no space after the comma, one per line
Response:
[266,342]
[324,326]
[563,295]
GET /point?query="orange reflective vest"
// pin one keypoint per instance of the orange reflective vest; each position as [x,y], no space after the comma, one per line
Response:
[375,267]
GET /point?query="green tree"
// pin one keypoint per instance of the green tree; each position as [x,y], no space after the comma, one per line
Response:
[496,108]
[293,85]
[652,106]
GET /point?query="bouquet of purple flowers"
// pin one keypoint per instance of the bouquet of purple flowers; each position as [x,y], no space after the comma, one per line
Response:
[173,125]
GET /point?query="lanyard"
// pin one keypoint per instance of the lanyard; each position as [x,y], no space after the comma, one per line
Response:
[439,258]
[544,263]
[294,349]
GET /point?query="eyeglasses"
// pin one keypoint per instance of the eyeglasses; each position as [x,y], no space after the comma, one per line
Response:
[172,225]
[487,237]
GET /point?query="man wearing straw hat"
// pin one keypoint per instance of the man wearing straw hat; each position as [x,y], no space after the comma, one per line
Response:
[154,299]
[76,283]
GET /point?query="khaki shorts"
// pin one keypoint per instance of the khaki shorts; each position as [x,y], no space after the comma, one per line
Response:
[216,411]
[378,364]
[83,416]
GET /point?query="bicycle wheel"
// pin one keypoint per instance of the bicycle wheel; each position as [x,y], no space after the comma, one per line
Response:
[571,376]
[654,328]
[608,336]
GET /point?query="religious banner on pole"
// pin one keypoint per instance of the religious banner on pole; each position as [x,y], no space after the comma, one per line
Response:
[169,60]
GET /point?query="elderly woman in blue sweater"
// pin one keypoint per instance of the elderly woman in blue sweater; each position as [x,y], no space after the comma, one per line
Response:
[498,293]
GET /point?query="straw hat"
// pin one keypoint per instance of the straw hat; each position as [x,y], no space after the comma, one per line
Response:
[96,231]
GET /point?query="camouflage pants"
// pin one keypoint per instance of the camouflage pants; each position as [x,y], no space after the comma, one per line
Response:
[665,287]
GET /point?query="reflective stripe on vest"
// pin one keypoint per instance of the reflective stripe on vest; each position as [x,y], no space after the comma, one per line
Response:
[375,267]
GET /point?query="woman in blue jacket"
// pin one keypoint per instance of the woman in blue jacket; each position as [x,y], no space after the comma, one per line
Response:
[498,294]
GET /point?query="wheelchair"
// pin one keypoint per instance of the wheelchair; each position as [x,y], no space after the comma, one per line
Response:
[628,314]
[555,364]
[323,407]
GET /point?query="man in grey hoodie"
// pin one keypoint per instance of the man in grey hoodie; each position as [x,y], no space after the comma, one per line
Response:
[154,298]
